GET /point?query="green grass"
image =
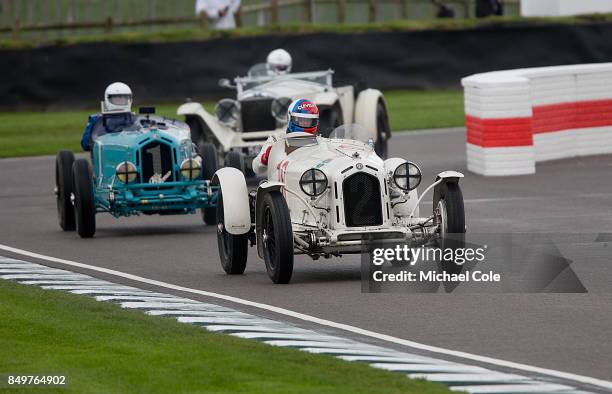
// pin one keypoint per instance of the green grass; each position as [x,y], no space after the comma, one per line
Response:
[45,133]
[102,348]
[197,33]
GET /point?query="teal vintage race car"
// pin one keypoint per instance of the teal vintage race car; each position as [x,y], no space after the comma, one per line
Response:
[139,164]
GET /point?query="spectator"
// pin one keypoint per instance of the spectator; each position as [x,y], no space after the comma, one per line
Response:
[444,11]
[486,8]
[220,13]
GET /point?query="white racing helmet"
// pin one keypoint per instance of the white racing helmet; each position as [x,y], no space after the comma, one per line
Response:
[278,62]
[118,98]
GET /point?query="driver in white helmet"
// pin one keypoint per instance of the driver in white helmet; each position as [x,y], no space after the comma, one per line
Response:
[116,114]
[302,122]
[279,62]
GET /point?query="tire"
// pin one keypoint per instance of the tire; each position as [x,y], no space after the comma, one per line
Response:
[63,187]
[233,249]
[450,215]
[383,131]
[210,165]
[329,120]
[277,237]
[84,204]
[197,134]
[235,160]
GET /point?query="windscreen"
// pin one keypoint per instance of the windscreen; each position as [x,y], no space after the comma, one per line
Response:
[351,131]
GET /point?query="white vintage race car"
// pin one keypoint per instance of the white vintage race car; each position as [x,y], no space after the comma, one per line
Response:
[324,197]
[260,110]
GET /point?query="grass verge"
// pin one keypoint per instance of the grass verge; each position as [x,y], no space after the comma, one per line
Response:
[103,348]
[196,33]
[45,133]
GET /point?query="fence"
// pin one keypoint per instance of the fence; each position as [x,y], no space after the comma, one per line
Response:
[23,19]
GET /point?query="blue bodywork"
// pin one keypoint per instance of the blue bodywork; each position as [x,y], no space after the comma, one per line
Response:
[157,147]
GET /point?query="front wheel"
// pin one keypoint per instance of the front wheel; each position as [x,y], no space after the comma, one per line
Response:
[63,190]
[235,160]
[210,165]
[277,237]
[383,131]
[84,204]
[233,249]
[449,215]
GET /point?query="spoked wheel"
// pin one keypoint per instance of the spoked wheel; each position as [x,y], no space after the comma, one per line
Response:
[277,237]
[449,215]
[233,249]
[383,131]
[63,190]
[210,165]
[84,204]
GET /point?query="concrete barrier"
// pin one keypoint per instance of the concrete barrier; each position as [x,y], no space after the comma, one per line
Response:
[515,118]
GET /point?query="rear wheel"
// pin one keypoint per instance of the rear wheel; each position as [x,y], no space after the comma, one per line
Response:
[449,215]
[233,249]
[383,131]
[84,204]
[235,160]
[277,237]
[63,190]
[197,134]
[210,165]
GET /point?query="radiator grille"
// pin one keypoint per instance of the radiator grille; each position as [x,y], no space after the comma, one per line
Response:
[257,115]
[362,204]
[156,159]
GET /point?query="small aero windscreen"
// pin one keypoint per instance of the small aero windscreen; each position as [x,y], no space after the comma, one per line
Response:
[296,142]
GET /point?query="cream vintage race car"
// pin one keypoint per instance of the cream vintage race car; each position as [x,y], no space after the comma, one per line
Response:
[260,110]
[323,197]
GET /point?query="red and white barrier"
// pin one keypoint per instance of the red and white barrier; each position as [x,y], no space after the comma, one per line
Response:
[516,118]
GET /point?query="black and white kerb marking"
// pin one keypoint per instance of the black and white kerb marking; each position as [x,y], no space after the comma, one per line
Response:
[459,377]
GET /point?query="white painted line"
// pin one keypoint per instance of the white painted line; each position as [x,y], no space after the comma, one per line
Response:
[429,368]
[512,388]
[468,377]
[312,319]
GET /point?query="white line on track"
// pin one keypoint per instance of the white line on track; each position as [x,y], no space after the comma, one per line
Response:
[312,319]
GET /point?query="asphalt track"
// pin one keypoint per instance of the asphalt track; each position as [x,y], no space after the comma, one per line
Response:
[566,332]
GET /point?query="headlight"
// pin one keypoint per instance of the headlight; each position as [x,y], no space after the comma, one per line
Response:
[407,176]
[126,172]
[191,169]
[313,182]
[228,112]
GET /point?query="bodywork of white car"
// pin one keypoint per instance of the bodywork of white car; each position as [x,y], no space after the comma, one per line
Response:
[260,110]
[361,199]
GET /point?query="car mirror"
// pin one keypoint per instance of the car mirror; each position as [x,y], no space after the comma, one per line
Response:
[225,83]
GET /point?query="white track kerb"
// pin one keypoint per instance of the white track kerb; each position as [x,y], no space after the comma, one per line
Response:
[460,377]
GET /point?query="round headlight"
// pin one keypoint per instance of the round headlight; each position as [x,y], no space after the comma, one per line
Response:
[279,109]
[313,182]
[126,172]
[228,112]
[407,176]
[191,169]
